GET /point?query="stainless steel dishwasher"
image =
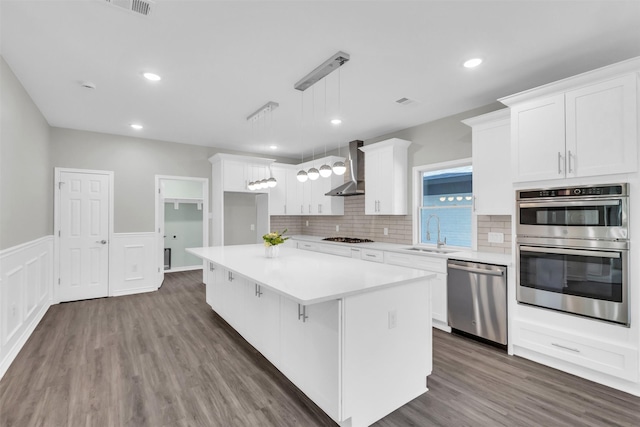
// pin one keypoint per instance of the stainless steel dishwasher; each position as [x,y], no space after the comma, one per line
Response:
[477,299]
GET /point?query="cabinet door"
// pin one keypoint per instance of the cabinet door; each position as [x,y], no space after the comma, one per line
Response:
[387,179]
[209,283]
[310,351]
[320,204]
[372,175]
[294,193]
[264,320]
[278,194]
[602,133]
[492,188]
[234,176]
[537,133]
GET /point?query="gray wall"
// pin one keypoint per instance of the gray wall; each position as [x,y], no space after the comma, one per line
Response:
[240,211]
[26,180]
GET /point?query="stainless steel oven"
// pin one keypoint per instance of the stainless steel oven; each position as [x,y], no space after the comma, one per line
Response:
[573,250]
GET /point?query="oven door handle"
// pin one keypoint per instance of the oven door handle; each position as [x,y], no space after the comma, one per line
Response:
[563,251]
[569,203]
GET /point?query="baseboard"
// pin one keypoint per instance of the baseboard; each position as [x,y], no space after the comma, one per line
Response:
[186,268]
[13,352]
[133,291]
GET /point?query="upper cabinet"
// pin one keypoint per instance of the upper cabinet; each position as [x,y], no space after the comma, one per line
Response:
[237,171]
[582,126]
[492,193]
[385,175]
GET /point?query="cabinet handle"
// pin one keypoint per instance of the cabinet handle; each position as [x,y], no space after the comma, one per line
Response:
[301,209]
[302,314]
[319,208]
[211,267]
[258,291]
[559,163]
[230,277]
[569,155]
[474,203]
[370,255]
[309,208]
[285,209]
[575,350]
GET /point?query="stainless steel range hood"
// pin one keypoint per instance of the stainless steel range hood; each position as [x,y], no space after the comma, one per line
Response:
[355,186]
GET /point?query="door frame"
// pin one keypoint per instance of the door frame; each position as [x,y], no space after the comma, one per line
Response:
[159,216]
[56,225]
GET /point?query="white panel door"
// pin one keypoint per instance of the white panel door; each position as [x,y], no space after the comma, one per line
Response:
[84,236]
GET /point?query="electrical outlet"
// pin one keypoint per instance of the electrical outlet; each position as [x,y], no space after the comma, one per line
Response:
[337,228]
[393,319]
[253,227]
[307,223]
[496,237]
[385,231]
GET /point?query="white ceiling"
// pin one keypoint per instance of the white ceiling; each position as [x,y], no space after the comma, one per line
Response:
[222,60]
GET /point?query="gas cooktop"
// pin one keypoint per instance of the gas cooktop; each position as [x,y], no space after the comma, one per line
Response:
[347,240]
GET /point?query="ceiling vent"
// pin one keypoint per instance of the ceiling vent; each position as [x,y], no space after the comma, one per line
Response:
[143,7]
[405,101]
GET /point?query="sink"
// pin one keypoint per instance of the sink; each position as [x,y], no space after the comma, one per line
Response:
[433,251]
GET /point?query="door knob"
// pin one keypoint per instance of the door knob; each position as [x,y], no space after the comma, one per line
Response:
[104,242]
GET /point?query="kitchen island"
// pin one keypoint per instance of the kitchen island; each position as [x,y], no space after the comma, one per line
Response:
[353,335]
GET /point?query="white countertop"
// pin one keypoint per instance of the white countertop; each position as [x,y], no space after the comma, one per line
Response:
[307,277]
[465,255]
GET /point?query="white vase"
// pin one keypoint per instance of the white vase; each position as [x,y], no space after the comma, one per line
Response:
[271,251]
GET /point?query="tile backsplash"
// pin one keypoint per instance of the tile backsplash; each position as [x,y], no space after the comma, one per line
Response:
[494,224]
[354,223]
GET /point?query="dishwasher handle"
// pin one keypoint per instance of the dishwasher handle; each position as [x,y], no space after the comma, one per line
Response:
[499,272]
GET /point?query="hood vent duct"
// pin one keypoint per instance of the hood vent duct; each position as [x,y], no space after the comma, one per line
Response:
[142,7]
[355,186]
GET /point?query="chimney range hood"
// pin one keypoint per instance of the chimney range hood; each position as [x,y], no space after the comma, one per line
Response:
[355,186]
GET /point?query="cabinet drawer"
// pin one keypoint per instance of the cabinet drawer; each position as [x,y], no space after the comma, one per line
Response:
[422,262]
[335,250]
[608,358]
[372,255]
[308,246]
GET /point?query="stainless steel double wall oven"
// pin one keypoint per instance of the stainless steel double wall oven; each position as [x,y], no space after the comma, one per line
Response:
[573,250]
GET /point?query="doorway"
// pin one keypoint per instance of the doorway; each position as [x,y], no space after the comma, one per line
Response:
[182,218]
[83,225]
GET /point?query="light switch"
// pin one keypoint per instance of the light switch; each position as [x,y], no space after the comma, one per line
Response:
[337,228]
[393,319]
[253,227]
[386,231]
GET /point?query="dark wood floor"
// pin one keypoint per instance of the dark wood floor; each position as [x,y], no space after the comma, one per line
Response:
[165,359]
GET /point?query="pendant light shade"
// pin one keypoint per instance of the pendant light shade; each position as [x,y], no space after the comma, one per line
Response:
[302,176]
[339,168]
[325,171]
[263,184]
[271,182]
[313,174]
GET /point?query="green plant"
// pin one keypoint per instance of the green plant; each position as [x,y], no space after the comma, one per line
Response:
[274,238]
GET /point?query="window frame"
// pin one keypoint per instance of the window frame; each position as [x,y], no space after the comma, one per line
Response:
[417,190]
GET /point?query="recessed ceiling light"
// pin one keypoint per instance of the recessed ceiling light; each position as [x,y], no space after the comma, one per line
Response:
[273,147]
[136,126]
[152,77]
[471,63]
[336,121]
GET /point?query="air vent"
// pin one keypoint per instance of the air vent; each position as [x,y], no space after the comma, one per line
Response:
[405,101]
[143,7]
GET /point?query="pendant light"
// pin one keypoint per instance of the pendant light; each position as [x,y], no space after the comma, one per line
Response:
[339,168]
[325,169]
[313,173]
[302,175]
[260,117]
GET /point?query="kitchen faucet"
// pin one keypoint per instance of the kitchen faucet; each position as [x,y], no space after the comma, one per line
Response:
[439,243]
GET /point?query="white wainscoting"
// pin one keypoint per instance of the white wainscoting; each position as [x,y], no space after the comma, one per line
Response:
[133,264]
[26,289]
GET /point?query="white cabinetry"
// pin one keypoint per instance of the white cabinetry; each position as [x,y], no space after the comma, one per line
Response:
[310,351]
[438,284]
[578,127]
[236,174]
[385,170]
[279,201]
[492,186]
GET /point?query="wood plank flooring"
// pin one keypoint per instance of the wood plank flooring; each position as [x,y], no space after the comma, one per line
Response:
[166,359]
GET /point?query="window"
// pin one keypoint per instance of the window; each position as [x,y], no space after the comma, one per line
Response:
[446,201]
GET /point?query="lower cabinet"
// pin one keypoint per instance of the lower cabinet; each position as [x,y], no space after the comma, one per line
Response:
[310,351]
[438,284]
[262,308]
[578,349]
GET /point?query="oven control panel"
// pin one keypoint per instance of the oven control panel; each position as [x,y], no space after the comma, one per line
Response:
[605,190]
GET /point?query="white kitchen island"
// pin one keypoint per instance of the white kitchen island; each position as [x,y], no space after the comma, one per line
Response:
[353,335]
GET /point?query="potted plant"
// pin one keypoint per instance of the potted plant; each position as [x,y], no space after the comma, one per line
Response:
[271,242]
